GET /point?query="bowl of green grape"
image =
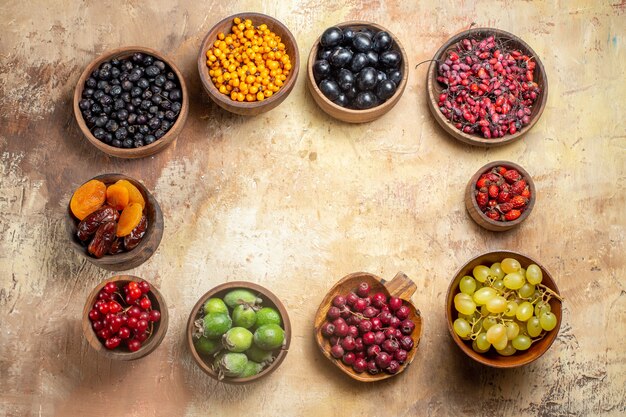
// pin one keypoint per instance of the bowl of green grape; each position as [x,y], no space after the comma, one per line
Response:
[503,309]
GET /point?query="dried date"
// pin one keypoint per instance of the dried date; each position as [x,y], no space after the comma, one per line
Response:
[103,239]
[132,240]
[90,224]
[117,246]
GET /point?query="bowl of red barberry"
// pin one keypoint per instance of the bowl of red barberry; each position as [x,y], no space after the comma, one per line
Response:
[131,102]
[368,327]
[500,196]
[486,87]
[125,318]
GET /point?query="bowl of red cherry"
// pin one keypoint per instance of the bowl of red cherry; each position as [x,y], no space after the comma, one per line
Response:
[125,318]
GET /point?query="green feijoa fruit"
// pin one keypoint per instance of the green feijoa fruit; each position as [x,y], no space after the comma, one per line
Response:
[215,305]
[241,296]
[257,354]
[252,368]
[206,346]
[269,337]
[237,339]
[216,324]
[244,316]
[267,315]
[230,364]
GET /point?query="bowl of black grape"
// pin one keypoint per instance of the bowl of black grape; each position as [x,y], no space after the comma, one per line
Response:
[357,71]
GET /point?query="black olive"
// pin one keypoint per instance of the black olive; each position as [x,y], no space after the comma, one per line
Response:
[342,100]
[345,79]
[385,89]
[366,79]
[365,100]
[362,42]
[330,89]
[372,59]
[331,37]
[340,57]
[352,93]
[348,35]
[321,69]
[324,53]
[382,41]
[359,61]
[369,32]
[390,59]
[380,76]
[395,75]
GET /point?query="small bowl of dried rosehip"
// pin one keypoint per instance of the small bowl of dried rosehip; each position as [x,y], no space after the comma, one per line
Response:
[368,327]
[500,196]
[125,318]
[114,222]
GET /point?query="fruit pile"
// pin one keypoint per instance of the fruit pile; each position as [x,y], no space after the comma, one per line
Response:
[131,102]
[369,332]
[502,194]
[357,68]
[238,334]
[489,87]
[111,218]
[504,306]
[248,64]
[127,319]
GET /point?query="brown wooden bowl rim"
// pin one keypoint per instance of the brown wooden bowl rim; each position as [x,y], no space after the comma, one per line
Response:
[476,139]
[381,108]
[529,355]
[155,339]
[365,376]
[282,93]
[267,295]
[153,233]
[147,150]
[471,185]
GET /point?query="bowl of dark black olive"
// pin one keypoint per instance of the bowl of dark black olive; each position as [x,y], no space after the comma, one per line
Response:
[131,102]
[357,71]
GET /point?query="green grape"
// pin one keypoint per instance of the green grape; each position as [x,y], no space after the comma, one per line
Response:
[526,291]
[464,303]
[462,328]
[507,350]
[547,321]
[483,310]
[542,307]
[522,271]
[477,349]
[524,311]
[510,265]
[501,344]
[512,330]
[481,272]
[496,304]
[489,322]
[483,295]
[496,270]
[534,274]
[511,309]
[521,342]
[514,281]
[498,285]
[467,285]
[537,296]
[496,333]
[481,342]
[533,327]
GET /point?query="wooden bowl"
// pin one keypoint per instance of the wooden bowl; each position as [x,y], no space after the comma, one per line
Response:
[255,107]
[353,115]
[434,88]
[492,358]
[159,144]
[125,260]
[481,218]
[400,286]
[122,353]
[269,300]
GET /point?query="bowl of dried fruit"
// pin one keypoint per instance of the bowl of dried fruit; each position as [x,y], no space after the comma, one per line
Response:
[486,87]
[114,222]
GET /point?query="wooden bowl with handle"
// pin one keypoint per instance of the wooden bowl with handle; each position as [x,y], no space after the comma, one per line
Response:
[252,108]
[143,151]
[492,358]
[269,300]
[400,286]
[481,218]
[125,260]
[434,88]
[354,115]
[121,352]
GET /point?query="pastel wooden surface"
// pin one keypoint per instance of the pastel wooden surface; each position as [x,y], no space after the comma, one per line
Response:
[293,200]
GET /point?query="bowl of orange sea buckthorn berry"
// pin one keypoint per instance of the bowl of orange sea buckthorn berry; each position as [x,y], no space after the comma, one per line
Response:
[248,63]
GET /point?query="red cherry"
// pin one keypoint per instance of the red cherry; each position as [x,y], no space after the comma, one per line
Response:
[104,333]
[142,325]
[110,287]
[141,337]
[134,311]
[112,343]
[144,315]
[395,303]
[94,315]
[98,325]
[155,316]
[103,308]
[144,287]
[134,345]
[114,307]
[132,285]
[145,303]
[132,322]
[124,333]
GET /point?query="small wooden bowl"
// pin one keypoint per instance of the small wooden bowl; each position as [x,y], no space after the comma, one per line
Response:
[492,358]
[125,260]
[122,353]
[481,218]
[159,144]
[269,300]
[434,88]
[255,107]
[352,115]
[400,286]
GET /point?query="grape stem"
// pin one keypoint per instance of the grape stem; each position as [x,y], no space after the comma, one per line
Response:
[552,293]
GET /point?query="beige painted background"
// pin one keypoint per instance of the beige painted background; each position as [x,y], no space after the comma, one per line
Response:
[294,200]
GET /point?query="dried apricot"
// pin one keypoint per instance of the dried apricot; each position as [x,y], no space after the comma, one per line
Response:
[88,198]
[117,196]
[134,195]
[129,219]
